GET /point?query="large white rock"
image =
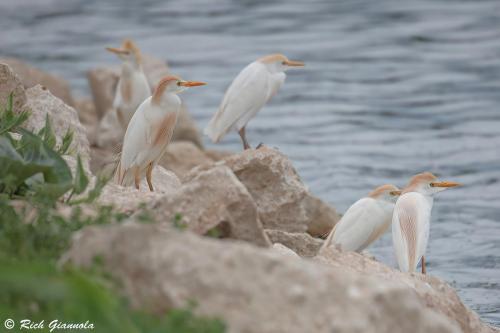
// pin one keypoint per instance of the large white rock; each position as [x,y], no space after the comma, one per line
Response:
[129,199]
[31,76]
[11,83]
[435,293]
[40,102]
[253,290]
[214,199]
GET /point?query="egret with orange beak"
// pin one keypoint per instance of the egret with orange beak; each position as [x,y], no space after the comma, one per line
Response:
[133,87]
[365,221]
[150,131]
[411,220]
[248,93]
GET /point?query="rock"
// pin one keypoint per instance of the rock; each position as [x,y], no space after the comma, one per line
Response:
[86,113]
[109,132]
[217,155]
[283,250]
[31,76]
[214,198]
[301,243]
[275,186]
[432,291]
[103,83]
[128,199]
[182,156]
[284,202]
[253,290]
[103,161]
[11,83]
[40,102]
[322,217]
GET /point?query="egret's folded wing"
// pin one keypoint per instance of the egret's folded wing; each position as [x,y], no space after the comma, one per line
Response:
[247,94]
[355,228]
[406,216]
[137,140]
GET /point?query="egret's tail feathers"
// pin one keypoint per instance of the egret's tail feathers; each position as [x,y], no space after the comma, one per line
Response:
[213,132]
[328,240]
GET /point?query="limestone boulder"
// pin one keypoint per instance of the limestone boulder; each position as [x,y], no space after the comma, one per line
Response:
[102,82]
[31,76]
[433,292]
[11,83]
[129,199]
[103,161]
[86,113]
[321,216]
[108,133]
[214,200]
[254,290]
[40,102]
[301,243]
[181,156]
[275,186]
[283,250]
[283,200]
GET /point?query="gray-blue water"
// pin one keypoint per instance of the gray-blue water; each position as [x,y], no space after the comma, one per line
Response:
[391,88]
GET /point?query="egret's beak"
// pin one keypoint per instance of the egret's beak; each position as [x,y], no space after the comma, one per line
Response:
[117,50]
[294,63]
[445,184]
[395,193]
[191,83]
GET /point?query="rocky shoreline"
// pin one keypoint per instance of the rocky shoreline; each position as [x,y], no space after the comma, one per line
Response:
[260,271]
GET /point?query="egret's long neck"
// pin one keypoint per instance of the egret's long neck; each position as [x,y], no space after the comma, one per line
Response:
[387,206]
[130,67]
[169,101]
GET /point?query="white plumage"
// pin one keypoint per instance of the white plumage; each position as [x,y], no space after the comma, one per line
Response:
[365,221]
[150,131]
[411,220]
[248,93]
[133,87]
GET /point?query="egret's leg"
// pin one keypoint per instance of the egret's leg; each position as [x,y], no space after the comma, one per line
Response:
[260,145]
[244,138]
[148,176]
[137,177]
[424,271]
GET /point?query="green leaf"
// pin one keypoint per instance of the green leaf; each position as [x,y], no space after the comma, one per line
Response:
[66,142]
[33,162]
[9,120]
[47,133]
[81,181]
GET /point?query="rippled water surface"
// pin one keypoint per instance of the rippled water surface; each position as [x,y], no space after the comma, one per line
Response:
[391,88]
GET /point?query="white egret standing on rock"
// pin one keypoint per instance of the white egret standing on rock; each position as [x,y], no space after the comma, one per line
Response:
[248,93]
[411,220]
[150,131]
[365,221]
[133,87]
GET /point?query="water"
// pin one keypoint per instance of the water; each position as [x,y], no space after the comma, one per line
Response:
[391,88]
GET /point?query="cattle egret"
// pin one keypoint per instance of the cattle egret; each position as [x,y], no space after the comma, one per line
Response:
[411,220]
[133,87]
[365,221]
[150,131]
[248,93]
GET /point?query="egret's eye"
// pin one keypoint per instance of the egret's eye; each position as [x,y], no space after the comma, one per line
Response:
[179,83]
[283,62]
